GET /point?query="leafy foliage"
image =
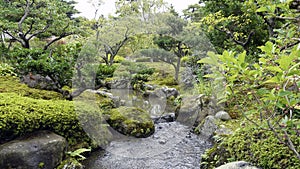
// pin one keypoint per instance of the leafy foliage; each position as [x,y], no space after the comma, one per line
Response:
[257,146]
[7,70]
[24,20]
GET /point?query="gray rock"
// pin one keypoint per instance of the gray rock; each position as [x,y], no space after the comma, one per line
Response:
[116,99]
[119,84]
[208,127]
[149,87]
[222,130]
[170,91]
[164,118]
[189,111]
[237,165]
[222,115]
[38,81]
[41,149]
[163,92]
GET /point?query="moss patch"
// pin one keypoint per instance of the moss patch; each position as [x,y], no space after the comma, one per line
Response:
[20,115]
[12,85]
[257,146]
[131,121]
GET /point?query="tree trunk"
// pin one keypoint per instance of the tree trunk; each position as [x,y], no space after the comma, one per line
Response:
[177,68]
[111,60]
[26,43]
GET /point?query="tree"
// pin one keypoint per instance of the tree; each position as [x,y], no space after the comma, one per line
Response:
[113,35]
[231,24]
[26,19]
[143,8]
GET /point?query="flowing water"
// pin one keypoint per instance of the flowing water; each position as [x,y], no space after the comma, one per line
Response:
[172,146]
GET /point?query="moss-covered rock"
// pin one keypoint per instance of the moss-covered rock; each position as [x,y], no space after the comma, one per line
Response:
[10,84]
[131,121]
[257,146]
[20,115]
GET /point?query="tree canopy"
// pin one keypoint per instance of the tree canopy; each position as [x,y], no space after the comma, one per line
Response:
[24,20]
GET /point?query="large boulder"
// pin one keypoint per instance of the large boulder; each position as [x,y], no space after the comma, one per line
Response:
[131,121]
[207,128]
[115,99]
[39,82]
[119,84]
[237,165]
[189,111]
[41,149]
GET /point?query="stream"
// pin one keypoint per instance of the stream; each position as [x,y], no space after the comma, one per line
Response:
[172,146]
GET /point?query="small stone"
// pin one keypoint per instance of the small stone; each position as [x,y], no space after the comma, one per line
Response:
[162,141]
[222,115]
[237,165]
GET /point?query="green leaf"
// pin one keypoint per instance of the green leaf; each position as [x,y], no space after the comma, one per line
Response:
[285,62]
[268,48]
[241,58]
[274,69]
[283,93]
[262,9]
[212,59]
[272,80]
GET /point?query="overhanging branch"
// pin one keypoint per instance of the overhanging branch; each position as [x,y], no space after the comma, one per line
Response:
[230,34]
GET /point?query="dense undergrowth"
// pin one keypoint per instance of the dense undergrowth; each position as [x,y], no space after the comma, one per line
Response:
[257,146]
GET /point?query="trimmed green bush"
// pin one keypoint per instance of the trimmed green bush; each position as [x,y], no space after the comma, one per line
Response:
[143,59]
[20,115]
[257,146]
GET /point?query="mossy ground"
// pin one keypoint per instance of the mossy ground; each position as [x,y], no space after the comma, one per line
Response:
[10,84]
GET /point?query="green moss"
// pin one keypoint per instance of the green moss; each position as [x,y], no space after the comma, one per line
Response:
[70,163]
[257,146]
[102,101]
[20,115]
[131,121]
[12,85]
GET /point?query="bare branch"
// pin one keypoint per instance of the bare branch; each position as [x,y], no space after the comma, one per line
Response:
[297,19]
[289,45]
[30,28]
[64,34]
[39,32]
[291,145]
[13,37]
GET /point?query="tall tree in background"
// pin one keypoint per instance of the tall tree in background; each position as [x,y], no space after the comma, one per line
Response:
[143,8]
[25,19]
[231,24]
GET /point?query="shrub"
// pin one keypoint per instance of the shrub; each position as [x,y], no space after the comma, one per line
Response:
[118,59]
[257,146]
[105,71]
[20,115]
[7,70]
[143,59]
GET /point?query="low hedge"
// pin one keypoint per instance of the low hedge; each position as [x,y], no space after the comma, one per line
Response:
[20,115]
[257,146]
